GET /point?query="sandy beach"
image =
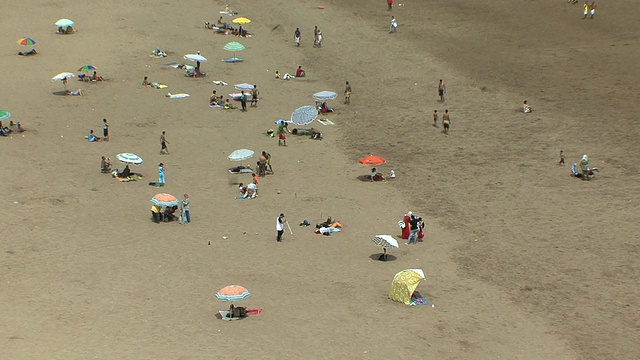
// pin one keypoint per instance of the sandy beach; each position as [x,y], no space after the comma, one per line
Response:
[522,261]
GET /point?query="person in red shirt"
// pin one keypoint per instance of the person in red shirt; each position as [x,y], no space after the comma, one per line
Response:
[300,72]
[390,4]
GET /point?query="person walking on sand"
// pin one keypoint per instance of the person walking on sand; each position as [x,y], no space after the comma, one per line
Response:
[243,100]
[185,210]
[280,221]
[446,121]
[105,129]
[254,96]
[389,5]
[347,93]
[435,118]
[441,90]
[394,25]
[296,37]
[561,162]
[161,177]
[585,9]
[414,225]
[267,160]
[163,144]
[592,9]
[315,36]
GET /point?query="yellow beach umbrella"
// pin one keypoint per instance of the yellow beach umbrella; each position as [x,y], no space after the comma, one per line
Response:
[241,21]
[404,284]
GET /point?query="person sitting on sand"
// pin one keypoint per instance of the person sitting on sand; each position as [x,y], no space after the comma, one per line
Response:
[96,77]
[277,75]
[228,105]
[158,53]
[70,30]
[4,130]
[526,108]
[145,81]
[92,138]
[126,172]
[242,189]
[28,53]
[74,93]
[323,108]
[105,165]
[375,175]
[300,72]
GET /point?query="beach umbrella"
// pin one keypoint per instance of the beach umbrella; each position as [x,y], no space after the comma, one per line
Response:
[372,160]
[244,86]
[386,242]
[27,41]
[87,68]
[240,155]
[62,76]
[4,115]
[64,23]
[129,158]
[165,200]
[234,47]
[404,284]
[241,21]
[304,115]
[325,95]
[233,293]
[195,57]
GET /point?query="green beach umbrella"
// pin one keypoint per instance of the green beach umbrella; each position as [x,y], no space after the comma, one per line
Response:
[4,115]
[234,47]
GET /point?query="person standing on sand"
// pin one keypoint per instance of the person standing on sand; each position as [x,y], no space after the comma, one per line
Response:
[185,209]
[267,160]
[585,9]
[280,221]
[441,90]
[389,5]
[347,93]
[315,36]
[592,9]
[561,162]
[435,118]
[296,37]
[254,96]
[446,121]
[163,144]
[161,178]
[243,100]
[394,25]
[105,129]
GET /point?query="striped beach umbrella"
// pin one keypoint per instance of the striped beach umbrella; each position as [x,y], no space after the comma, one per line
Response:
[129,158]
[304,115]
[165,200]
[233,293]
[27,41]
[87,68]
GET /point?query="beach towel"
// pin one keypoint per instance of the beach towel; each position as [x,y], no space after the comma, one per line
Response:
[220,82]
[215,106]
[254,311]
[177,96]
[418,300]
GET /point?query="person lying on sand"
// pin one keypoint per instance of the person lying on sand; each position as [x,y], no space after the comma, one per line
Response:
[28,53]
[158,53]
[74,93]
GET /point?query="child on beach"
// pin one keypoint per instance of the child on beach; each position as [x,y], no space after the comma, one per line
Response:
[561,162]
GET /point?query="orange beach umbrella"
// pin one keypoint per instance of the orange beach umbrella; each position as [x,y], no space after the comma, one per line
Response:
[372,160]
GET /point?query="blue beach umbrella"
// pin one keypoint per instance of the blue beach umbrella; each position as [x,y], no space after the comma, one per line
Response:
[304,115]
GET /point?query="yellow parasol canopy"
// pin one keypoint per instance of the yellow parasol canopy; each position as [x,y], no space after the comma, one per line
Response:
[241,21]
[404,284]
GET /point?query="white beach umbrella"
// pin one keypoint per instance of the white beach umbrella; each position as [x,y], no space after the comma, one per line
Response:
[241,154]
[62,76]
[195,57]
[129,158]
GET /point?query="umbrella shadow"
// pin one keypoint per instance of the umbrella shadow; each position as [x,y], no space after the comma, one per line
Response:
[366,178]
[379,257]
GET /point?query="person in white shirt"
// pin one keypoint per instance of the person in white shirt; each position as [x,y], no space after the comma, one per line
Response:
[280,221]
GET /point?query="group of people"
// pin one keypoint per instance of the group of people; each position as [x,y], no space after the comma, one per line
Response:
[222,27]
[412,228]
[13,127]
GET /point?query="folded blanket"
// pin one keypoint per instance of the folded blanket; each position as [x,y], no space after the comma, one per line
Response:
[253,311]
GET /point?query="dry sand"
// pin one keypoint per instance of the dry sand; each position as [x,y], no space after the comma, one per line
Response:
[522,261]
